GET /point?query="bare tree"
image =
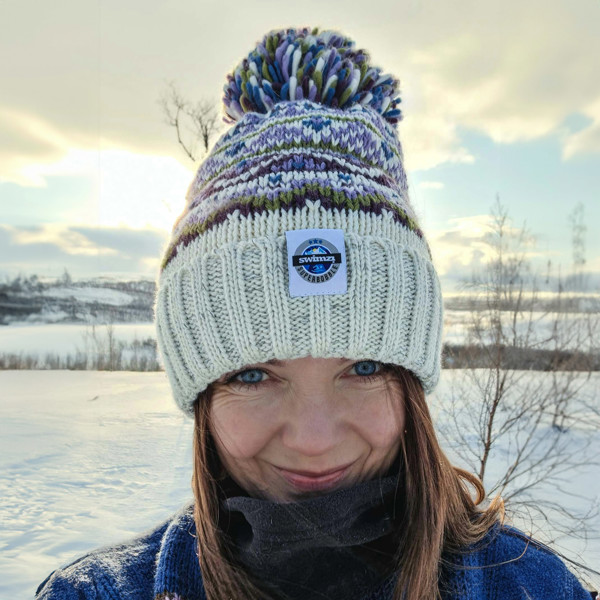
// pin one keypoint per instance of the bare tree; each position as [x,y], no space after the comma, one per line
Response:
[195,124]
[516,428]
[103,350]
[578,231]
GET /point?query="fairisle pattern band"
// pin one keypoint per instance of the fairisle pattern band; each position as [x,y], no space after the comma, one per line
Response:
[300,151]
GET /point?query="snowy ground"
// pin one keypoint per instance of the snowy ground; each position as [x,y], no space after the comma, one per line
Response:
[541,329]
[91,458]
[66,338]
[87,458]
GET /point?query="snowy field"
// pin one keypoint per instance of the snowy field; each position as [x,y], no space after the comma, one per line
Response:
[87,458]
[91,458]
[541,329]
[66,338]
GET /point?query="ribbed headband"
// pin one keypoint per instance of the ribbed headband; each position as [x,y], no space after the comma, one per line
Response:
[298,237]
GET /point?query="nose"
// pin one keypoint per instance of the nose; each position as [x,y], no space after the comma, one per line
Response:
[314,427]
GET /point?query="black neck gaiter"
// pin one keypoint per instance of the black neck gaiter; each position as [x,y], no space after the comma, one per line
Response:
[336,546]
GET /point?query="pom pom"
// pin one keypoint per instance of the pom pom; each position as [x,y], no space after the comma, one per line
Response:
[323,67]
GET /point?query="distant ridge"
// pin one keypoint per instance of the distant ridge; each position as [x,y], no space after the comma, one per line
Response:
[29,300]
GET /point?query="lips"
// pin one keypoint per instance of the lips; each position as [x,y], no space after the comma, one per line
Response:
[311,481]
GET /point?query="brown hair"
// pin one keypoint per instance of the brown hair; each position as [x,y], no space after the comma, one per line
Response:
[440,515]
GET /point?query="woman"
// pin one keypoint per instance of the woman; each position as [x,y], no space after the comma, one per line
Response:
[299,319]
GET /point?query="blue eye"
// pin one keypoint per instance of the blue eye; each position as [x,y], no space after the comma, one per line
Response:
[366,367]
[249,377]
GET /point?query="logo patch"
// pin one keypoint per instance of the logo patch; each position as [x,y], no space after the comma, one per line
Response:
[316,262]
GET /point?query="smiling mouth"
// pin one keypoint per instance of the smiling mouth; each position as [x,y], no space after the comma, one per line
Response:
[311,481]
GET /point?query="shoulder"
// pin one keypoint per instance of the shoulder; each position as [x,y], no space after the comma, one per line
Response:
[507,563]
[104,572]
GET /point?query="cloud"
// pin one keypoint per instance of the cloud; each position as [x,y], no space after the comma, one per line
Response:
[432,185]
[588,139]
[65,240]
[462,248]
[134,243]
[510,79]
[511,70]
[468,245]
[432,139]
[49,249]
[116,188]
[30,141]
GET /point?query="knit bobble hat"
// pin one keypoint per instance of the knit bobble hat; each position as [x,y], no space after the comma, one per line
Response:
[298,238]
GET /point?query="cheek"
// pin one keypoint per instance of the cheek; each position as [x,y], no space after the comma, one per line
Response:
[241,432]
[381,421]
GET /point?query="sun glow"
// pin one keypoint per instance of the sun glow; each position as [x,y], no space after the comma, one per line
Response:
[129,189]
[140,191]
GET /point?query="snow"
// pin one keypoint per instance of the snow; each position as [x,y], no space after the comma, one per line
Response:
[539,328]
[87,458]
[66,338]
[575,488]
[89,295]
[91,458]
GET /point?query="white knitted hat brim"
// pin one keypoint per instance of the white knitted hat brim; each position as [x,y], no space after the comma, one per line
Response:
[224,303]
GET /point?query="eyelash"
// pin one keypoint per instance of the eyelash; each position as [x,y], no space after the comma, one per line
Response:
[254,386]
[370,378]
[241,384]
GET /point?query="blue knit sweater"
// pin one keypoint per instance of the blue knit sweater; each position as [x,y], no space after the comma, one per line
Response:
[163,565]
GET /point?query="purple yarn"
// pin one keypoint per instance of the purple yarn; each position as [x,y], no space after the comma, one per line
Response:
[284,67]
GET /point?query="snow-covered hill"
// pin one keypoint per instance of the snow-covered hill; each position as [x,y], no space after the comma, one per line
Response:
[96,301]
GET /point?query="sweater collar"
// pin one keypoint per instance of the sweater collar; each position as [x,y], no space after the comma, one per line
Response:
[348,522]
[178,575]
[344,517]
[330,546]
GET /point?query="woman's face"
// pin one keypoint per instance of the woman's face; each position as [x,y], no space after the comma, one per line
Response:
[289,429]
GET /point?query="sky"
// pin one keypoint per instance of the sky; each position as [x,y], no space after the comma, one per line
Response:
[500,99]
